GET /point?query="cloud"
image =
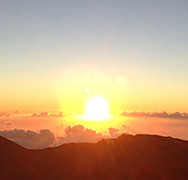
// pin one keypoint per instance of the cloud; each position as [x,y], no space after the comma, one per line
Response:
[4,114]
[78,133]
[30,139]
[113,132]
[47,114]
[8,124]
[21,114]
[163,114]
[128,129]
[45,138]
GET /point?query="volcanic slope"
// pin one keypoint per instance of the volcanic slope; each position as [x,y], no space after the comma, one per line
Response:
[145,157]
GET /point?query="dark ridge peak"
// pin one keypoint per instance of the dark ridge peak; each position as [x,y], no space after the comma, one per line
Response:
[123,136]
[159,137]
[127,137]
[4,142]
[102,141]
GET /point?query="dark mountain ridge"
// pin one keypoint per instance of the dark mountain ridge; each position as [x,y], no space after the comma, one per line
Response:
[144,157]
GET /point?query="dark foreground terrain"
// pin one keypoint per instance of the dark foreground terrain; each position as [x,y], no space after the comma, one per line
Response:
[140,157]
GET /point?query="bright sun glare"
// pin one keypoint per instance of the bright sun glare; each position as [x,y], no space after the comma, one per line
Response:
[97,109]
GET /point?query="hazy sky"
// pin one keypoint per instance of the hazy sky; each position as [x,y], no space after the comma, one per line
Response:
[132,52]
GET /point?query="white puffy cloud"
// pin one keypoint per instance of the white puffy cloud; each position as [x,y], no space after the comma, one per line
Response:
[113,132]
[78,133]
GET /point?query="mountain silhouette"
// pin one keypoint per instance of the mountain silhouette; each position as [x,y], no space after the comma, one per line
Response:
[140,157]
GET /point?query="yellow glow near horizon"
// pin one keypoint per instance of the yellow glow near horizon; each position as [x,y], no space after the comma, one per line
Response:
[97,109]
[78,84]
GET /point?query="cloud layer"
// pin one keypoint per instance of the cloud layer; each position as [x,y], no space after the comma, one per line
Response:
[163,114]
[56,130]
[78,133]
[45,138]
[47,114]
[30,139]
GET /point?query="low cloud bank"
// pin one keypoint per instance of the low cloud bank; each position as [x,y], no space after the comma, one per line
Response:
[30,139]
[47,114]
[113,132]
[164,114]
[45,138]
[4,114]
[42,114]
[79,133]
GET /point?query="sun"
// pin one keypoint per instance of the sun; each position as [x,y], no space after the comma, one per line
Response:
[97,109]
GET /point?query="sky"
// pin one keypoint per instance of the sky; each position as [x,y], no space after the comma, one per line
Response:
[58,57]
[133,53]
